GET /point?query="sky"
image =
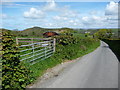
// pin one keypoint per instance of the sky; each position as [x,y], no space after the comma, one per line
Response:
[52,14]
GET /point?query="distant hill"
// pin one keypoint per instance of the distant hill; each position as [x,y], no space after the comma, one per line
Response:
[92,31]
[37,31]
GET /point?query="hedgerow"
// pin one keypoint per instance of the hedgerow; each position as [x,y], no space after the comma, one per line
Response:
[71,47]
[14,73]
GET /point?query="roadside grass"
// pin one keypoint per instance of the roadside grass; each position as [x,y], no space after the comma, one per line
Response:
[63,52]
[39,68]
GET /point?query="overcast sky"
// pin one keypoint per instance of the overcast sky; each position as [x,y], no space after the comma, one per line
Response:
[51,14]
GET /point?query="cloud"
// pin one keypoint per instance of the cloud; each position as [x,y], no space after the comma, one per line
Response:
[3,16]
[111,14]
[66,12]
[112,8]
[37,13]
[92,19]
[87,21]
[93,12]
[66,15]
[52,15]
[112,17]
[34,13]
[12,5]
[61,18]
[109,19]
[99,21]
[51,5]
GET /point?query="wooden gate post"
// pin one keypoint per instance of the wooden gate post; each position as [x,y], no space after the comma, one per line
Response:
[54,44]
[33,47]
[32,40]
[16,40]
[45,51]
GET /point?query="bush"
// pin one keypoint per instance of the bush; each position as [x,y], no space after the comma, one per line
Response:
[14,74]
[103,33]
[71,47]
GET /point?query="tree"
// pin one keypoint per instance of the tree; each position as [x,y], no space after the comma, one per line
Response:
[103,33]
[87,34]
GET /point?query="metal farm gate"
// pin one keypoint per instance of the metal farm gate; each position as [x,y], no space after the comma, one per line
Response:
[38,49]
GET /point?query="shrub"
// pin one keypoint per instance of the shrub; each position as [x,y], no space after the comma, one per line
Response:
[103,33]
[71,47]
[14,74]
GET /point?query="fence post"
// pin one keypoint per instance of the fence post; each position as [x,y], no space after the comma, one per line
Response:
[32,40]
[33,47]
[54,44]
[16,40]
[45,51]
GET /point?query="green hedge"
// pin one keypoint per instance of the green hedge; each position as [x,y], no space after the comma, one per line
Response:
[14,73]
[70,47]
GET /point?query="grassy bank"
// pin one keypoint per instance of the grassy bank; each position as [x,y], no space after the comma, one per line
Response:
[115,46]
[67,48]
